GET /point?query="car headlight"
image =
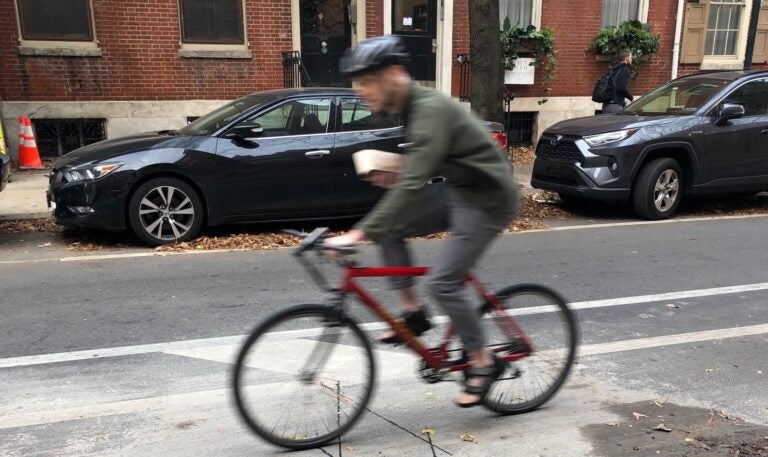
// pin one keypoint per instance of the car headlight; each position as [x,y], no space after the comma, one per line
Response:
[90,172]
[609,137]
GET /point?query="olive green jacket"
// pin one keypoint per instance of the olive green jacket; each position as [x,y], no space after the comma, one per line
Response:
[446,139]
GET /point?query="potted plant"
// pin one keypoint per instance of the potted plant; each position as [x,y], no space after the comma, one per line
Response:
[537,47]
[633,35]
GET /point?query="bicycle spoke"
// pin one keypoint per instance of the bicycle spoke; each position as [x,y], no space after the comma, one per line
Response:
[533,315]
[301,389]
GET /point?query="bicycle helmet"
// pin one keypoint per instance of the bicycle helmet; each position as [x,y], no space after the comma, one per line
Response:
[373,54]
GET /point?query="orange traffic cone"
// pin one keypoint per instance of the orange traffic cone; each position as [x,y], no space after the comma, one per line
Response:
[29,157]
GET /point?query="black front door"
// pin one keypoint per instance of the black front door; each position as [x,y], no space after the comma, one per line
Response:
[416,22]
[325,35]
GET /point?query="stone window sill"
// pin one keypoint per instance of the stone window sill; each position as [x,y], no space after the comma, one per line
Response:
[59,49]
[214,51]
[722,64]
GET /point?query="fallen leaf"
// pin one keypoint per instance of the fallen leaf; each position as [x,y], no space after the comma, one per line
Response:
[672,305]
[662,428]
[350,448]
[427,431]
[688,440]
[709,370]
[638,415]
[612,424]
[429,394]
[469,438]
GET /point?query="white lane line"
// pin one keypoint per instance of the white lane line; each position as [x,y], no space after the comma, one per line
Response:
[200,399]
[84,258]
[670,340]
[125,255]
[636,223]
[12,362]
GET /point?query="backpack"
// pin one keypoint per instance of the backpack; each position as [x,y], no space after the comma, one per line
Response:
[604,90]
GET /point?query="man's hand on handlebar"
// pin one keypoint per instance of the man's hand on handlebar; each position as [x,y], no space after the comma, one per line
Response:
[349,239]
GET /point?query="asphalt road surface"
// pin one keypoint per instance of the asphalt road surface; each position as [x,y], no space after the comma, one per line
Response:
[130,353]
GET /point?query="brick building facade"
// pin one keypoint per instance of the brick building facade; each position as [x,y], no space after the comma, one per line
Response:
[139,66]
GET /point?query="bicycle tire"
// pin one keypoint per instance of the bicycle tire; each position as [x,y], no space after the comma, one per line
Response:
[506,395]
[258,379]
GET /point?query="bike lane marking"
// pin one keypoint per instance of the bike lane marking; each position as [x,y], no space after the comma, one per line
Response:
[385,358]
[40,359]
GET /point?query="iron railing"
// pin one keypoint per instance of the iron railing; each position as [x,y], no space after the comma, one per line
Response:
[294,72]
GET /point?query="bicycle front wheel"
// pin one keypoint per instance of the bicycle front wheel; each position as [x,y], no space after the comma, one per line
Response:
[304,377]
[542,333]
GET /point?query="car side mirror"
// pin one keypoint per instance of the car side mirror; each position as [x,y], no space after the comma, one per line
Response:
[729,111]
[247,131]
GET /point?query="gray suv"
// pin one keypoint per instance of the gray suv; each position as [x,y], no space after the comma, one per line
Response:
[704,133]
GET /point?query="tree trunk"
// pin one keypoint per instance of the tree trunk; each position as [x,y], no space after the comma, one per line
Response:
[487,83]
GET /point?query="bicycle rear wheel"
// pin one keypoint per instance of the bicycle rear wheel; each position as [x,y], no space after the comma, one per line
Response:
[304,377]
[551,330]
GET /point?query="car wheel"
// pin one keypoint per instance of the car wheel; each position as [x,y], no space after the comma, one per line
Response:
[658,189]
[165,210]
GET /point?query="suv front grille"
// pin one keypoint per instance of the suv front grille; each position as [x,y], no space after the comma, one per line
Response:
[565,149]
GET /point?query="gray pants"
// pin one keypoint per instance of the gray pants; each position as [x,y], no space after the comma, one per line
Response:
[472,230]
[612,108]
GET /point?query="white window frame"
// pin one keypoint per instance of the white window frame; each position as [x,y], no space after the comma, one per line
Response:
[642,10]
[735,62]
[211,50]
[58,48]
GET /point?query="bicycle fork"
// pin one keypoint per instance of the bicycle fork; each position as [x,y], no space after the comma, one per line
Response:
[326,342]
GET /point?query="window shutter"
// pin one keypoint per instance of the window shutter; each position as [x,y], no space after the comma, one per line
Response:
[760,54]
[694,32]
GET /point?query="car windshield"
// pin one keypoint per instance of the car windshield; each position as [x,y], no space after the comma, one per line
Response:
[679,97]
[220,117]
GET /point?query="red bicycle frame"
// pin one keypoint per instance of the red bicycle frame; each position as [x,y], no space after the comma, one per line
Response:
[436,359]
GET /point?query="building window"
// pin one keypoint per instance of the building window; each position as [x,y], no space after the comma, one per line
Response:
[412,16]
[212,21]
[519,12]
[56,137]
[723,27]
[617,11]
[60,20]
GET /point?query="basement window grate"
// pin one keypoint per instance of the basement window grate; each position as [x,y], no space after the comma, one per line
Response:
[56,137]
[520,127]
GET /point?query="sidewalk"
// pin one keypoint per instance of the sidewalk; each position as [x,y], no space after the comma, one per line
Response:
[24,197]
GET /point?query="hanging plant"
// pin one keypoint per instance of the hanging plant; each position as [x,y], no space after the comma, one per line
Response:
[630,35]
[540,44]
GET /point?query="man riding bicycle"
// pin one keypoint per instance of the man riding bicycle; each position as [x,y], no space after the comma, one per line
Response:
[475,203]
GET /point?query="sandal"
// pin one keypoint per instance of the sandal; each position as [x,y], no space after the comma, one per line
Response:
[415,320]
[489,375]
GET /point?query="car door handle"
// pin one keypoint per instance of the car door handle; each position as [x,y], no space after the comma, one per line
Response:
[404,145]
[317,154]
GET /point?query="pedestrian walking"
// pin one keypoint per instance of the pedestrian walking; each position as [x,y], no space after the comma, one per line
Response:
[620,78]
